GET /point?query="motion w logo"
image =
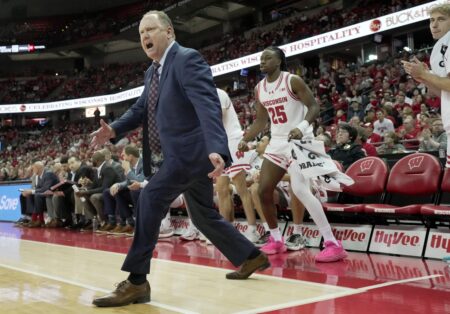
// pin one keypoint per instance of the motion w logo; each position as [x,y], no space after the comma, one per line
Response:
[415,162]
[366,165]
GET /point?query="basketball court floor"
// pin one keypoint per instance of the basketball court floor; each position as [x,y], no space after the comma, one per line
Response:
[57,271]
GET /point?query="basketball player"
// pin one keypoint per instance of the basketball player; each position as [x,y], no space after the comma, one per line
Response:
[291,107]
[237,171]
[438,79]
[283,197]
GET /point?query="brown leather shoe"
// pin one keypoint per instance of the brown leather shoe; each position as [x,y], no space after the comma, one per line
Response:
[260,262]
[116,230]
[128,230]
[51,224]
[35,224]
[125,293]
[106,227]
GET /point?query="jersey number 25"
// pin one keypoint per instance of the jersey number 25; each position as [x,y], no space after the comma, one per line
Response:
[278,116]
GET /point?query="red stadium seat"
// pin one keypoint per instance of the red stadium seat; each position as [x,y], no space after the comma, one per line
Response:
[441,209]
[369,174]
[414,180]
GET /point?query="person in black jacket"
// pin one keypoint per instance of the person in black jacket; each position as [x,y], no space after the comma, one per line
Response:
[346,150]
[93,195]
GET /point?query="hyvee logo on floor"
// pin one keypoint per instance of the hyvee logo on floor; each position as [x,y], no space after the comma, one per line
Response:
[7,203]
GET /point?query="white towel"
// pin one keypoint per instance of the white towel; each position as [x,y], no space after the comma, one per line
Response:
[308,158]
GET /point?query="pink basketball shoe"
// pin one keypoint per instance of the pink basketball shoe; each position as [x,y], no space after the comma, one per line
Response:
[331,253]
[274,247]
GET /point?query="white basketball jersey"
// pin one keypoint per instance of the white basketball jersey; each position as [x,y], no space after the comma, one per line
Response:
[285,110]
[440,65]
[229,117]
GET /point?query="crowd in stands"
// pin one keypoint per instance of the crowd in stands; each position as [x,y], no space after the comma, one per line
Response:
[297,27]
[391,112]
[64,30]
[366,110]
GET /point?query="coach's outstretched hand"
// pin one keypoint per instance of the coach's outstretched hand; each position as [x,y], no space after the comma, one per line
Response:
[218,164]
[102,135]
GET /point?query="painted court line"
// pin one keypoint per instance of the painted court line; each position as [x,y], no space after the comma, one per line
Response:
[333,295]
[391,283]
[315,284]
[89,287]
[344,291]
[300,302]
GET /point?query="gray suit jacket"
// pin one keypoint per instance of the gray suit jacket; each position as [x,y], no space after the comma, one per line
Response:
[135,174]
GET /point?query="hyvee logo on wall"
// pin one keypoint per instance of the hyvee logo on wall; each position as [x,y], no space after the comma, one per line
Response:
[439,241]
[349,235]
[375,25]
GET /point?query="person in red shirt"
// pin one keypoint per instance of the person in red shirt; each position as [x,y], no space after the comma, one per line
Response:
[372,138]
[408,133]
[434,102]
[362,140]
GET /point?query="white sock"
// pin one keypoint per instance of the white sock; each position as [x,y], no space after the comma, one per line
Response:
[328,234]
[298,229]
[276,234]
[266,226]
[302,190]
[251,228]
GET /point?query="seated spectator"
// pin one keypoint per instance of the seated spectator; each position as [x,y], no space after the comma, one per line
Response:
[433,140]
[355,110]
[391,145]
[355,122]
[368,148]
[372,138]
[119,197]
[106,177]
[408,134]
[44,180]
[340,117]
[346,150]
[382,125]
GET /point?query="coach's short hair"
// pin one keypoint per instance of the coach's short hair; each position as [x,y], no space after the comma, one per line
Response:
[441,8]
[162,17]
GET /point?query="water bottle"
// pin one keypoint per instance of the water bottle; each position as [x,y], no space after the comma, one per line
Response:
[94,224]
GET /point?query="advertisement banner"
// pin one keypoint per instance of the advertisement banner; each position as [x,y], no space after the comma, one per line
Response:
[401,240]
[309,230]
[242,226]
[10,201]
[353,237]
[438,244]
[180,224]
